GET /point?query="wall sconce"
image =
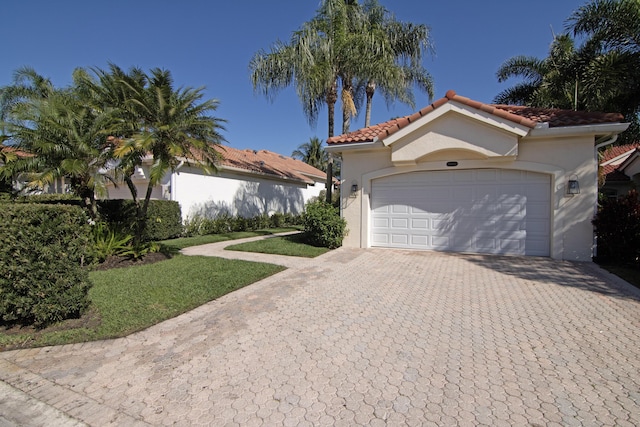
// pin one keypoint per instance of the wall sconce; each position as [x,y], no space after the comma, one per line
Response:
[354,190]
[573,186]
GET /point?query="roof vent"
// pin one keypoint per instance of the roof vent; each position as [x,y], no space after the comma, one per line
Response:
[255,151]
[261,163]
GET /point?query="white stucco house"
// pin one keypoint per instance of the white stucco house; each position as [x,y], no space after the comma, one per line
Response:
[464,176]
[247,183]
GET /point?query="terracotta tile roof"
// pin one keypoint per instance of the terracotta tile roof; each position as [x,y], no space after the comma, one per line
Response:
[10,149]
[526,116]
[269,163]
[261,162]
[619,153]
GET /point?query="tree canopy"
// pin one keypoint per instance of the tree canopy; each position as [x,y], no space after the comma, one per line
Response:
[601,74]
[103,126]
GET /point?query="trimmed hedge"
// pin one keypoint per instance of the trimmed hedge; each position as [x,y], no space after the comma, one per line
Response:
[164,219]
[42,250]
[323,225]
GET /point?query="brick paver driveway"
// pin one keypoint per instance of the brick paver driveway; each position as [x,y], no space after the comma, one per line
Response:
[368,337]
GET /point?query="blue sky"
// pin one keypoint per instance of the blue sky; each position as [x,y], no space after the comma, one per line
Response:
[210,43]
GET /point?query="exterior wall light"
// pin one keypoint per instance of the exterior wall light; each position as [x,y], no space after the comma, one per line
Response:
[354,190]
[573,186]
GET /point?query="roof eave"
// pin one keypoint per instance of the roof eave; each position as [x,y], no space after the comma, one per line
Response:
[350,146]
[595,130]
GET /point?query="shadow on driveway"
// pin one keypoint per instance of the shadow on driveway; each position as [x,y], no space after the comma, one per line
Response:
[582,275]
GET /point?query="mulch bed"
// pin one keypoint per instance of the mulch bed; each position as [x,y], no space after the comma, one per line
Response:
[120,262]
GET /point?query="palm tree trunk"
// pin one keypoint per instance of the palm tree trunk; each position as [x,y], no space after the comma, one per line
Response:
[332,98]
[371,89]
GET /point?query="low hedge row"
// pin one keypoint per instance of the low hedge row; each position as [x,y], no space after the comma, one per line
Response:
[164,219]
[199,225]
[42,251]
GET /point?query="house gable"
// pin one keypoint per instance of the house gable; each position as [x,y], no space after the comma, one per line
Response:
[454,127]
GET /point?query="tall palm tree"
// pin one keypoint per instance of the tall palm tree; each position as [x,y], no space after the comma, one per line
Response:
[394,76]
[327,57]
[312,153]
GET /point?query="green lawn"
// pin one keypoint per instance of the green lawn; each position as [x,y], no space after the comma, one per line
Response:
[125,300]
[184,242]
[293,245]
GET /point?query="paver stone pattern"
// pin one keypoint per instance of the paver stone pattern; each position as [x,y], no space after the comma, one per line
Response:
[368,337]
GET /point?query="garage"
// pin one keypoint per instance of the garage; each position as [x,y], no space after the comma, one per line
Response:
[492,211]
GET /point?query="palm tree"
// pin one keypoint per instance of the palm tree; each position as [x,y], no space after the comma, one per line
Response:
[612,28]
[614,23]
[171,125]
[601,75]
[396,75]
[331,54]
[312,153]
[27,85]
[552,82]
[65,139]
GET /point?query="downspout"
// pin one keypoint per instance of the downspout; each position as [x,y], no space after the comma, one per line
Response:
[608,140]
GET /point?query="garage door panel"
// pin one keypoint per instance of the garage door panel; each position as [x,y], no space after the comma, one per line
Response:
[419,224]
[482,211]
[381,223]
[402,223]
[400,239]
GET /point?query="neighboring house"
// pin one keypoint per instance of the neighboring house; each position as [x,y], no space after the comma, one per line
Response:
[248,183]
[619,170]
[464,176]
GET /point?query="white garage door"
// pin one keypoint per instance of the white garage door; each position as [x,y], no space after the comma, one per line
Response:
[480,211]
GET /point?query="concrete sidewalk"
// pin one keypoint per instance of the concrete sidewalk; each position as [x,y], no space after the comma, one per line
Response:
[366,337]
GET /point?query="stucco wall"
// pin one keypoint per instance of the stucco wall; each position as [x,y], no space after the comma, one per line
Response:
[238,194]
[561,158]
[225,192]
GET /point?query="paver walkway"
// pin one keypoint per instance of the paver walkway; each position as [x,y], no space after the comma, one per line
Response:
[367,337]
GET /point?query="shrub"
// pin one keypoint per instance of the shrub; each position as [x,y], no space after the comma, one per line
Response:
[323,225]
[42,250]
[108,241]
[164,220]
[617,225]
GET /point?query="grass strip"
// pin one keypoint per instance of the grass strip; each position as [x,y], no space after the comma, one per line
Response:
[126,300]
[293,245]
[185,242]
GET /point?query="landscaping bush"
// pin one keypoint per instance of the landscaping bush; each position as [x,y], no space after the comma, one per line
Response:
[42,252]
[323,225]
[617,225]
[164,220]
[50,199]
[108,241]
